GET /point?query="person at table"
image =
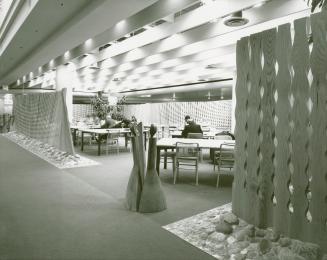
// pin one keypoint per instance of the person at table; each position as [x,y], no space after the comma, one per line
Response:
[191,127]
[108,122]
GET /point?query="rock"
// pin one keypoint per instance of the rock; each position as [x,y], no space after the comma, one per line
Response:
[324,257]
[264,246]
[241,235]
[216,237]
[284,241]
[260,232]
[273,236]
[287,254]
[238,247]
[251,254]
[250,230]
[231,219]
[231,240]
[237,257]
[308,251]
[210,230]
[224,228]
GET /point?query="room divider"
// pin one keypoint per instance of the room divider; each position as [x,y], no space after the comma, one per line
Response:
[281,138]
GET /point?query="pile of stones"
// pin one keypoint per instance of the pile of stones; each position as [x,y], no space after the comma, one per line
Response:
[225,236]
[239,240]
[48,152]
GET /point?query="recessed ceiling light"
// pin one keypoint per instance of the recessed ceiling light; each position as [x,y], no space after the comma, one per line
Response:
[235,19]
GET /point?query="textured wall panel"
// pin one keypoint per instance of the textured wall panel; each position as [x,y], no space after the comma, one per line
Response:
[318,187]
[214,113]
[288,167]
[282,152]
[299,136]
[253,127]
[241,127]
[267,149]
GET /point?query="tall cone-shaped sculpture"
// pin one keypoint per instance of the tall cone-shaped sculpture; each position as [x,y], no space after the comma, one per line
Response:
[136,179]
[152,198]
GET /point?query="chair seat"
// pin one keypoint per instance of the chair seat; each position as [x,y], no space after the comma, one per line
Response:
[188,158]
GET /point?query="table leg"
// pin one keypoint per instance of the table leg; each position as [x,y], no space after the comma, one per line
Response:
[144,140]
[158,160]
[99,145]
[126,140]
[165,160]
[82,146]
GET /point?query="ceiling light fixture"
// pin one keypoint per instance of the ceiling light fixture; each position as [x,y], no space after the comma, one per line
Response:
[235,19]
[259,4]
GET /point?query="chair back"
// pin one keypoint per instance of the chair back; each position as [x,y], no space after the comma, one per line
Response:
[195,135]
[187,150]
[226,154]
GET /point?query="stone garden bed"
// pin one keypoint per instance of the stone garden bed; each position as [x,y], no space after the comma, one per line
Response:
[224,236]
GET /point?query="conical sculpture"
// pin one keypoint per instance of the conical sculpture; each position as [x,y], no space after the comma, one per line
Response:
[153,198]
[136,179]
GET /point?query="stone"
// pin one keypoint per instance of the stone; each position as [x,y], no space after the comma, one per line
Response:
[231,219]
[324,257]
[260,232]
[287,254]
[250,230]
[237,257]
[284,241]
[273,236]
[241,235]
[237,247]
[308,251]
[264,245]
[216,237]
[224,228]
[231,240]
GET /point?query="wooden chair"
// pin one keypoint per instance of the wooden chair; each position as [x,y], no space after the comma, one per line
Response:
[187,158]
[197,136]
[224,158]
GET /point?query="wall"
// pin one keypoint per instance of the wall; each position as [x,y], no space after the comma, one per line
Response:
[214,113]
[281,139]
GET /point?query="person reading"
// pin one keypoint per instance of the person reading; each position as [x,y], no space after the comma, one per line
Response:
[191,127]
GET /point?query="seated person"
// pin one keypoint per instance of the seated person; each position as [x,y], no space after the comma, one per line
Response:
[108,122]
[192,127]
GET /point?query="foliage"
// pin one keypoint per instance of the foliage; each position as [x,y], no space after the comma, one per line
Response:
[102,108]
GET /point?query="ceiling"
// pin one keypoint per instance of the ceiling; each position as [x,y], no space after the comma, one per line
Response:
[148,51]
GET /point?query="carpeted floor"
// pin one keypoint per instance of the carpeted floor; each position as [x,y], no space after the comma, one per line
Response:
[47,213]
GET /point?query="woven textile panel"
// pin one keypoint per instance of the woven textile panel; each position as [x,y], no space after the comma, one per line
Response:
[81,111]
[213,113]
[281,139]
[43,116]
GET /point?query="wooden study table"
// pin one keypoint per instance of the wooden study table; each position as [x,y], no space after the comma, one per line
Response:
[169,143]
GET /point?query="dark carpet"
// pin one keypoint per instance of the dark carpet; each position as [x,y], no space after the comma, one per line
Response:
[47,213]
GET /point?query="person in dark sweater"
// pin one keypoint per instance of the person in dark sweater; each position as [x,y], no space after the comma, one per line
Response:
[191,127]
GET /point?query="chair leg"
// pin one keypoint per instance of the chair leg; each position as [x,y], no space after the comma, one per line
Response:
[177,172]
[196,174]
[217,184]
[174,168]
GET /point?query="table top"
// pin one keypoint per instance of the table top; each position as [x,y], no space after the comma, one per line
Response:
[203,143]
[107,130]
[205,134]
